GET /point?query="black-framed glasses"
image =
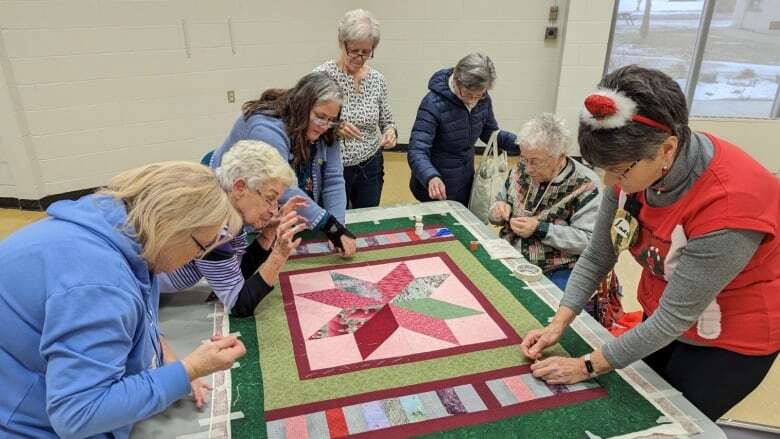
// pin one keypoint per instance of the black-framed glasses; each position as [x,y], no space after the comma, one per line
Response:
[357,53]
[622,175]
[223,237]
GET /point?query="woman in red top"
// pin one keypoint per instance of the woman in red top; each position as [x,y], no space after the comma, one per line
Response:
[702,218]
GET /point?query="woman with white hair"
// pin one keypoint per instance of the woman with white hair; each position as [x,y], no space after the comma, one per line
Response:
[456,111]
[367,124]
[254,176]
[85,357]
[300,123]
[549,203]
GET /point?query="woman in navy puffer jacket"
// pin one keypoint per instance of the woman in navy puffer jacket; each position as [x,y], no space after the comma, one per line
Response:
[456,111]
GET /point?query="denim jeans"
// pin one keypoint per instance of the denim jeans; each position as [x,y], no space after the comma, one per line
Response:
[364,181]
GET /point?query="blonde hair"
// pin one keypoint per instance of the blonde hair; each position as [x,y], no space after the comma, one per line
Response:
[256,162]
[168,200]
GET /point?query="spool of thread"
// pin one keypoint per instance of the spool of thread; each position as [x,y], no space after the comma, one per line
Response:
[418,225]
[528,272]
[473,246]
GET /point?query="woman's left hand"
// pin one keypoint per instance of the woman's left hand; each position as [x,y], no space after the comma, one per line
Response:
[389,139]
[200,392]
[560,370]
[525,226]
[349,246]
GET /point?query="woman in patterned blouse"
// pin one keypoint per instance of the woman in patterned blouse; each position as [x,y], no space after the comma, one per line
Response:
[367,121]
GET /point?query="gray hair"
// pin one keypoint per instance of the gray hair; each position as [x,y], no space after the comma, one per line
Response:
[547,132]
[256,162]
[359,25]
[475,71]
[658,97]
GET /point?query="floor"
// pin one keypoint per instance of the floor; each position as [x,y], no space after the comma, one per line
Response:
[761,407]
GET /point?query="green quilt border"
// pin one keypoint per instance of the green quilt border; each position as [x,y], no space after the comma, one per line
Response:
[624,411]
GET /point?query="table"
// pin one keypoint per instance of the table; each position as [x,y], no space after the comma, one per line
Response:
[499,391]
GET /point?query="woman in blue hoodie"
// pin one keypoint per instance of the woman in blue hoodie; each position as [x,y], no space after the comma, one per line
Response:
[85,357]
[299,123]
[456,111]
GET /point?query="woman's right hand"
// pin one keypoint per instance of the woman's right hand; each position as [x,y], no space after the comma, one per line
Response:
[537,340]
[218,354]
[501,212]
[436,189]
[289,225]
[346,130]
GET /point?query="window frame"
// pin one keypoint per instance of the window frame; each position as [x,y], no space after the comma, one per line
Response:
[700,45]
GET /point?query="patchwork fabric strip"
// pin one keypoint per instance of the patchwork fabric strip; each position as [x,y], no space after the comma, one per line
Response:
[425,408]
[373,241]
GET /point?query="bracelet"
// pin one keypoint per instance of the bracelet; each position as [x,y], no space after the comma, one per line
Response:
[589,366]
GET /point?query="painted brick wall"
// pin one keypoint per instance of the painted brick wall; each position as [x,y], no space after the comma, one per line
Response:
[105,85]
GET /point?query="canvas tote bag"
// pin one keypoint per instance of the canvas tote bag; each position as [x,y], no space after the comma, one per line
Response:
[490,175]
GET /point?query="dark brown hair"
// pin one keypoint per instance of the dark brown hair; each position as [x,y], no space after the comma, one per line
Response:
[294,106]
[658,97]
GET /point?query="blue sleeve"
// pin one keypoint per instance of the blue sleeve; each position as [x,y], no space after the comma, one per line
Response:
[506,140]
[85,343]
[424,130]
[279,140]
[334,194]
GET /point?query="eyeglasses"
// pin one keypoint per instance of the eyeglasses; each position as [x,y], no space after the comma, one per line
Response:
[221,238]
[323,121]
[357,53]
[534,162]
[622,175]
[273,203]
[471,97]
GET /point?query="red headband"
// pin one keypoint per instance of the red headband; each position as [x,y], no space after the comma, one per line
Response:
[613,109]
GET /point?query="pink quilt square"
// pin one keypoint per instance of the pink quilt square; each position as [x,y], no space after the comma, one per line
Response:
[357,316]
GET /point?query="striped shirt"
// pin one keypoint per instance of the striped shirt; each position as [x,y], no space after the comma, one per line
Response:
[221,268]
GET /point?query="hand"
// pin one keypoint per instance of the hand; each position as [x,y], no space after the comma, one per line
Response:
[268,234]
[200,392]
[346,130]
[537,340]
[388,140]
[560,370]
[218,354]
[290,225]
[349,245]
[436,189]
[501,211]
[524,226]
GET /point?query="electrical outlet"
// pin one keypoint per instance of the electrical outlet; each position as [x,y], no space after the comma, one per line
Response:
[231,96]
[551,33]
[553,13]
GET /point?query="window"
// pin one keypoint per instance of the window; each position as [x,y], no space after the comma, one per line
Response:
[725,54]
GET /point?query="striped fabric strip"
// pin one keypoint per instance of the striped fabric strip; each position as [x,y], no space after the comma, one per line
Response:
[375,415]
[356,422]
[315,248]
[394,412]
[296,427]
[337,424]
[518,388]
[414,408]
[317,425]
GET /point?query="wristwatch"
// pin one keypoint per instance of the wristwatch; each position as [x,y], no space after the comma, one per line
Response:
[589,366]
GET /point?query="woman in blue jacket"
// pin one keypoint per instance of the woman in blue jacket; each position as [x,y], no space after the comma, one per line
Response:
[456,111]
[299,123]
[84,357]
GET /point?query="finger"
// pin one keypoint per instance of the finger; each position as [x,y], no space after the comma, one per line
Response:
[216,337]
[226,342]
